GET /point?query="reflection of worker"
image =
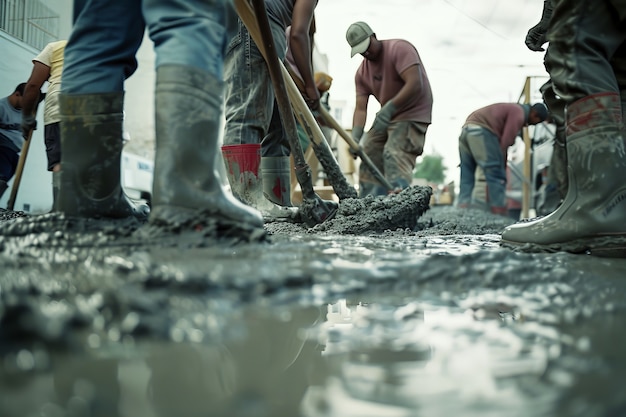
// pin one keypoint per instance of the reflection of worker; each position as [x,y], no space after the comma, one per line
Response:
[47,66]
[585,60]
[264,373]
[484,141]
[557,174]
[253,123]
[11,139]
[189,39]
[393,73]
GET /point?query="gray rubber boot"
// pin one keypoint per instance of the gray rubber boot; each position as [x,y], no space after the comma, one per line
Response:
[3,187]
[276,175]
[91,139]
[188,105]
[56,185]
[592,218]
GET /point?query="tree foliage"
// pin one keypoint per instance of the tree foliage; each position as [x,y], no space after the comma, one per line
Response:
[431,168]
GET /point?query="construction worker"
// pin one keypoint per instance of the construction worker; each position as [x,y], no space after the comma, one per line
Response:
[392,71]
[485,139]
[585,60]
[11,139]
[256,150]
[189,39]
[47,66]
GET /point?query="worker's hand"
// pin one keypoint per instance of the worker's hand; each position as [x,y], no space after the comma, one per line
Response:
[312,98]
[357,134]
[383,117]
[536,36]
[28,123]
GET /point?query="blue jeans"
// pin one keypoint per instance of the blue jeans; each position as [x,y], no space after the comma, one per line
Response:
[479,147]
[251,111]
[8,163]
[100,54]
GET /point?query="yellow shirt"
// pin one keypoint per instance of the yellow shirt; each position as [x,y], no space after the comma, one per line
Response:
[52,57]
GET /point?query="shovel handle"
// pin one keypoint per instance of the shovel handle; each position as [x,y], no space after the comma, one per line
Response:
[330,121]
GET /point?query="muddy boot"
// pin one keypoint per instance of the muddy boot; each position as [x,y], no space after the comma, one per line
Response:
[56,185]
[91,139]
[242,169]
[3,187]
[276,177]
[187,183]
[592,218]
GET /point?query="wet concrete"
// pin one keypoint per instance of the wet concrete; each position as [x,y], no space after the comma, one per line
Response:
[419,312]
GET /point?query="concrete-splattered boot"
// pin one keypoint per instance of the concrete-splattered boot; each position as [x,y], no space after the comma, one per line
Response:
[91,139]
[592,218]
[276,177]
[56,186]
[188,106]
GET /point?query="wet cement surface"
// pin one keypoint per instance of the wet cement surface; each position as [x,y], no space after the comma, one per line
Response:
[349,318]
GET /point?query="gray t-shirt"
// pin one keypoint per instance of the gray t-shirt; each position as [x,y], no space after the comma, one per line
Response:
[10,126]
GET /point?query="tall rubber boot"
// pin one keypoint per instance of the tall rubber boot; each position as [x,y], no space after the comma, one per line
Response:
[242,169]
[276,176]
[592,218]
[91,139]
[3,187]
[188,105]
[56,185]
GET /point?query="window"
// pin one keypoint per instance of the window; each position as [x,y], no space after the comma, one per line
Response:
[29,21]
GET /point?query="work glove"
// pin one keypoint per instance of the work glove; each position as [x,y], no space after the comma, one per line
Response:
[357,134]
[536,36]
[383,117]
[29,123]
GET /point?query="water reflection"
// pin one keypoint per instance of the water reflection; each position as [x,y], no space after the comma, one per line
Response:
[346,358]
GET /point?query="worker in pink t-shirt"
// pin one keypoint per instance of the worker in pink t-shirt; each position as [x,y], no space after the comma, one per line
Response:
[393,73]
[485,139]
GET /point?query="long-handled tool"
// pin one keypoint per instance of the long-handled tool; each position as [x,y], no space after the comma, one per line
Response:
[354,146]
[293,97]
[20,169]
[313,209]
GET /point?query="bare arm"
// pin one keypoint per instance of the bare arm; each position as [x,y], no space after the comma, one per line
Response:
[300,45]
[360,111]
[38,77]
[412,86]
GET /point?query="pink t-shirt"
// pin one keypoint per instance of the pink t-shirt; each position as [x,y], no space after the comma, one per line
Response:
[381,78]
[505,120]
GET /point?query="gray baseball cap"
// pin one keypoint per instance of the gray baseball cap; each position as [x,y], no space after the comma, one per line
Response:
[358,36]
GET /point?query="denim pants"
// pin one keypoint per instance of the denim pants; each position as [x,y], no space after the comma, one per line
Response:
[8,163]
[251,111]
[100,54]
[479,147]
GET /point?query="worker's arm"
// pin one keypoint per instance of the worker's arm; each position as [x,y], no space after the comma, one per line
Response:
[412,87]
[38,77]
[360,117]
[30,99]
[301,48]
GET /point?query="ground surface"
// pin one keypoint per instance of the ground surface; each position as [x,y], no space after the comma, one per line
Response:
[354,317]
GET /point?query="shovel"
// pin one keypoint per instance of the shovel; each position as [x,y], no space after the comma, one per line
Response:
[331,122]
[313,209]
